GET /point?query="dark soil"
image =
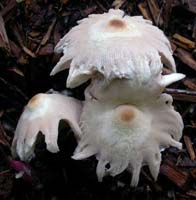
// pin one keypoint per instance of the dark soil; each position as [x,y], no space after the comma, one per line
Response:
[33,28]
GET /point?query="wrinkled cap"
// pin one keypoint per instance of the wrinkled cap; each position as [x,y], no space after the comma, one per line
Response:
[114,45]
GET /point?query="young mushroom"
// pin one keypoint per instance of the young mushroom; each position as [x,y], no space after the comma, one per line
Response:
[125,120]
[42,114]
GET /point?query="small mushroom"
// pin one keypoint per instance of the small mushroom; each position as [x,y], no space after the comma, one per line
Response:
[114,45]
[127,136]
[42,114]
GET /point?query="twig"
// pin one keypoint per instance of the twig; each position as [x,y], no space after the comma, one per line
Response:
[183,42]
[186,58]
[3,139]
[14,88]
[47,35]
[183,95]
[118,3]
[192,193]
[17,34]
[143,7]
[189,147]
[190,83]
[176,176]
[100,6]
[194,36]
[5,157]
[4,172]
[156,12]
[3,35]
[8,8]
[194,31]
[168,10]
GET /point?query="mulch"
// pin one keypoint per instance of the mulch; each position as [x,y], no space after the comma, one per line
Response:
[29,31]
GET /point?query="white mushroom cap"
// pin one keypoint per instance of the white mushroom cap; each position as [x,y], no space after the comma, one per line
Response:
[126,136]
[42,114]
[134,91]
[115,45]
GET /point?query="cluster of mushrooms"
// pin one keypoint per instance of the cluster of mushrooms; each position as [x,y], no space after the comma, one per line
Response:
[125,120]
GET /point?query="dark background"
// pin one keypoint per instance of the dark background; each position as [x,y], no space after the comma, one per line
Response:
[33,28]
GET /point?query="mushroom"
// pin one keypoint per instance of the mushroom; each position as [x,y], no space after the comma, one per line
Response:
[114,45]
[125,136]
[42,114]
[125,120]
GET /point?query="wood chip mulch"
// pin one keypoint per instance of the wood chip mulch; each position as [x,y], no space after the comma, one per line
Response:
[29,31]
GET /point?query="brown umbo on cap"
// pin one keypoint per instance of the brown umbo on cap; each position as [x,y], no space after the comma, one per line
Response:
[115,45]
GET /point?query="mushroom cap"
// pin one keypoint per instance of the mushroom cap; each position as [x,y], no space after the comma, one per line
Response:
[134,91]
[127,136]
[42,114]
[114,45]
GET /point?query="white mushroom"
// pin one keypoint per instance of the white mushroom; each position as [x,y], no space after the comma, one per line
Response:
[126,136]
[115,45]
[125,119]
[42,114]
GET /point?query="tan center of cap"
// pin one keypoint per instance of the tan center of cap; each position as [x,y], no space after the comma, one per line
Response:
[35,101]
[125,113]
[116,24]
